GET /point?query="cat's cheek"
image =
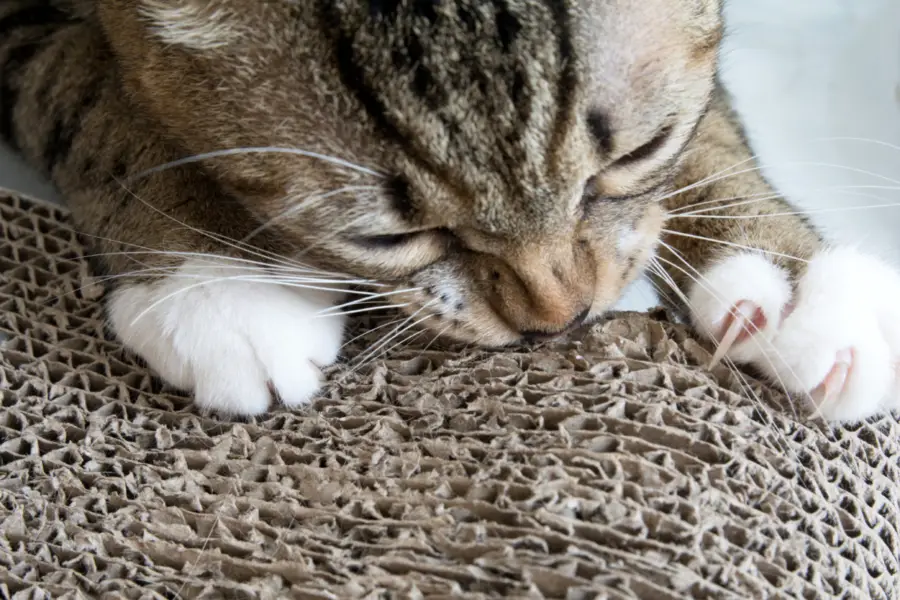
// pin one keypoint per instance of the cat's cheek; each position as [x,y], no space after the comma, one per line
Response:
[212,330]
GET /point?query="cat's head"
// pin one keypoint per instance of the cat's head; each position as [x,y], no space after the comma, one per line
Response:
[504,157]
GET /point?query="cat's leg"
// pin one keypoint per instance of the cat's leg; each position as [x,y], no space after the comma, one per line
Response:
[235,325]
[231,324]
[823,321]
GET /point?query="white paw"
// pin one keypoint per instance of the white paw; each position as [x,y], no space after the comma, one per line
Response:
[211,330]
[834,340]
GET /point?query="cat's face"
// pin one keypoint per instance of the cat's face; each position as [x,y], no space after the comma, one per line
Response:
[503,157]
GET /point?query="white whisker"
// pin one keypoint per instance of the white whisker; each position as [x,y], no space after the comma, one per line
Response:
[405,326]
[732,244]
[260,150]
[699,279]
[784,214]
[742,380]
[303,205]
[370,298]
[378,307]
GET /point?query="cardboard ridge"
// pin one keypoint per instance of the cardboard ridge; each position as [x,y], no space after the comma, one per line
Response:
[610,465]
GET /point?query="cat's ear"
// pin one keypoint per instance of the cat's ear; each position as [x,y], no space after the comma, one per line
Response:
[193,24]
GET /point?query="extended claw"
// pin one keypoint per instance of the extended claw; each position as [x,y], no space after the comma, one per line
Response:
[833,385]
[744,320]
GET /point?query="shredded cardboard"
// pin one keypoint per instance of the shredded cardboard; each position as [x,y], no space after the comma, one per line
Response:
[610,465]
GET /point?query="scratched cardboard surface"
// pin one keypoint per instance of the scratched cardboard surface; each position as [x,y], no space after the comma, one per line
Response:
[607,466]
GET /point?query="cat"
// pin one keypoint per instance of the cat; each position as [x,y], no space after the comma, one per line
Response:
[501,171]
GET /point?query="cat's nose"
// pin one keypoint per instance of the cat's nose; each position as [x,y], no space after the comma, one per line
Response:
[543,291]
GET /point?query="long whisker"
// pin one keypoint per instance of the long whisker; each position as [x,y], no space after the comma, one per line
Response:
[259,150]
[405,326]
[303,205]
[732,244]
[726,175]
[783,214]
[871,141]
[728,203]
[216,237]
[369,331]
[216,259]
[437,336]
[333,234]
[245,278]
[701,280]
[742,380]
[759,196]
[377,307]
[370,298]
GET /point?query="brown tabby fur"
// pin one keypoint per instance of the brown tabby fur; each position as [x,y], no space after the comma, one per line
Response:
[486,131]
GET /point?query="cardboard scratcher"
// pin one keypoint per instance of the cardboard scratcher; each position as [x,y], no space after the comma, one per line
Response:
[607,466]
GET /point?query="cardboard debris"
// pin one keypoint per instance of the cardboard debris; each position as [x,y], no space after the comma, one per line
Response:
[610,465]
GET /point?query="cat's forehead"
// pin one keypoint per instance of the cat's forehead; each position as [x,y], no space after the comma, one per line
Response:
[487,96]
[472,90]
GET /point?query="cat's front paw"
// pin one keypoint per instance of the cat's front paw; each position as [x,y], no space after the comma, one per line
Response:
[234,341]
[832,337]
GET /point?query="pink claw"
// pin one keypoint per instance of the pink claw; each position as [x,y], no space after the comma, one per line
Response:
[833,384]
[743,321]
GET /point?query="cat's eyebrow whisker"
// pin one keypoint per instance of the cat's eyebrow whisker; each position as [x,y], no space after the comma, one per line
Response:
[260,150]
[735,201]
[786,214]
[871,141]
[732,244]
[759,196]
[333,234]
[705,182]
[717,176]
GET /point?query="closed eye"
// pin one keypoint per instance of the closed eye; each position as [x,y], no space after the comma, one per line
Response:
[387,242]
[647,150]
[390,241]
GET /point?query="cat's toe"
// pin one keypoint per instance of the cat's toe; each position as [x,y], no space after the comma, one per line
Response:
[739,303]
[832,342]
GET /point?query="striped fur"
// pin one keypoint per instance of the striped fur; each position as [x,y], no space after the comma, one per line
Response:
[503,158]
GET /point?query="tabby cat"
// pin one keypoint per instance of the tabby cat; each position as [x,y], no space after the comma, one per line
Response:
[500,169]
